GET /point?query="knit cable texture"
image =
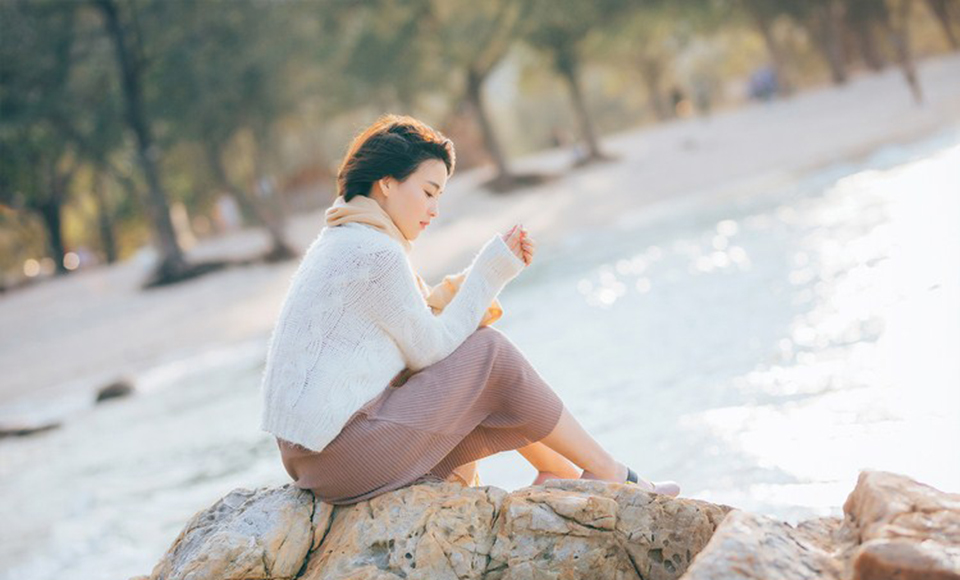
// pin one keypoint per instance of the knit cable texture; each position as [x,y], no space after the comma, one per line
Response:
[353,318]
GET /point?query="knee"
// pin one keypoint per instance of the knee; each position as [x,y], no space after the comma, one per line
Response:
[501,349]
[489,337]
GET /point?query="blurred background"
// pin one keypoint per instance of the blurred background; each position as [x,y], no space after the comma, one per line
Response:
[749,268]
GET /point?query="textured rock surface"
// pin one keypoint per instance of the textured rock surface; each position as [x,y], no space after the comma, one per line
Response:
[756,547]
[432,530]
[435,530]
[265,533]
[893,528]
[903,529]
[588,529]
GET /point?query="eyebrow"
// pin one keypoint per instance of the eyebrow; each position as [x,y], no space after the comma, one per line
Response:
[434,184]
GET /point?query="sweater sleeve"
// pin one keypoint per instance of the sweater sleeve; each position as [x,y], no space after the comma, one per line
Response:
[394,301]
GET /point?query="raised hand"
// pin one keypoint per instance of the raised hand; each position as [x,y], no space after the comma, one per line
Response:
[521,243]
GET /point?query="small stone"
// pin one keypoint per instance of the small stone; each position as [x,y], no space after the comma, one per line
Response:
[115,390]
[24,429]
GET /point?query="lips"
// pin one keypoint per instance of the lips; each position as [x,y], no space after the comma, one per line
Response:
[424,225]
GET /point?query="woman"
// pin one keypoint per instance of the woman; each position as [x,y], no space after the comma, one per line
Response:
[373,380]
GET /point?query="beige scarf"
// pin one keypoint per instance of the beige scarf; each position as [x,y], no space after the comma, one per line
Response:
[364,210]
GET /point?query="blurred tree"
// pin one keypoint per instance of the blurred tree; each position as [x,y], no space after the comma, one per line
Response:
[897,22]
[383,57]
[645,40]
[649,36]
[947,13]
[223,69]
[475,37]
[37,162]
[825,21]
[863,18]
[559,28]
[125,34]
[95,126]
[764,14]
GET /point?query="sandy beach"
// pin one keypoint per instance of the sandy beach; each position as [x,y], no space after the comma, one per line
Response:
[758,306]
[65,338]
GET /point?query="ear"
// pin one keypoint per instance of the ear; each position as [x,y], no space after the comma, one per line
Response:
[386,184]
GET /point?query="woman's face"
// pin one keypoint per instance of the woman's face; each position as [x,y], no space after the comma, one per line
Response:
[414,202]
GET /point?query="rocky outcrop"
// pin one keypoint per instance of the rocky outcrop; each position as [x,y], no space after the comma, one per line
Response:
[434,530]
[893,527]
[266,533]
[902,529]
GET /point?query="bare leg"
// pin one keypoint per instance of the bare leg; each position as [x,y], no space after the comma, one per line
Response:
[465,474]
[569,439]
[549,463]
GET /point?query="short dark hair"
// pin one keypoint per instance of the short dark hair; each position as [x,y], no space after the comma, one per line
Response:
[394,145]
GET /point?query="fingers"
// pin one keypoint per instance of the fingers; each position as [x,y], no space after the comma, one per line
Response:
[514,241]
[519,241]
[512,236]
[527,254]
[527,248]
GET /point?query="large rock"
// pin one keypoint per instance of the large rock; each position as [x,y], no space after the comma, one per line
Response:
[265,533]
[903,529]
[750,546]
[893,528]
[442,530]
[589,529]
[431,530]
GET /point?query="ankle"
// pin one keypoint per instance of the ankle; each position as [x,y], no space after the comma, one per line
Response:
[616,472]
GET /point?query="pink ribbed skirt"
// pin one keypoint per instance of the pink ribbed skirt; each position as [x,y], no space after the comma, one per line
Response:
[482,399]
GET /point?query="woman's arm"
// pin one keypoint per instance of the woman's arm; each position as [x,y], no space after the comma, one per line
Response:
[395,302]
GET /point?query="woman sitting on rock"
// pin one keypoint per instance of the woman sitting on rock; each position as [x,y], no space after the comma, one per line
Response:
[375,381]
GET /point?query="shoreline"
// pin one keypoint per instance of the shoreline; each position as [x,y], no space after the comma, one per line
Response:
[66,332]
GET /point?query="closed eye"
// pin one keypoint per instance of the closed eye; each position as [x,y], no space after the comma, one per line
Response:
[428,193]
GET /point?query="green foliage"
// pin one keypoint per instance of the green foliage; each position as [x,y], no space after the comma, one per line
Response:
[262,81]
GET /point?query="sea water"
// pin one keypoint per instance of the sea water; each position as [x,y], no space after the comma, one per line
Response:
[759,347]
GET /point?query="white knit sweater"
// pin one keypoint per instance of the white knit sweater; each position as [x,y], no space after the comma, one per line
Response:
[353,318]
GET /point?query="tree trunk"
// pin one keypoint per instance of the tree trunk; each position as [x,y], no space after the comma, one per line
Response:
[777,58]
[172,263]
[651,70]
[941,9]
[826,26]
[899,32]
[271,206]
[50,211]
[568,68]
[866,38]
[250,205]
[104,221]
[475,96]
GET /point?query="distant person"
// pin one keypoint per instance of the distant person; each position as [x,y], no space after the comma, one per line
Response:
[763,83]
[679,104]
[227,216]
[375,381]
